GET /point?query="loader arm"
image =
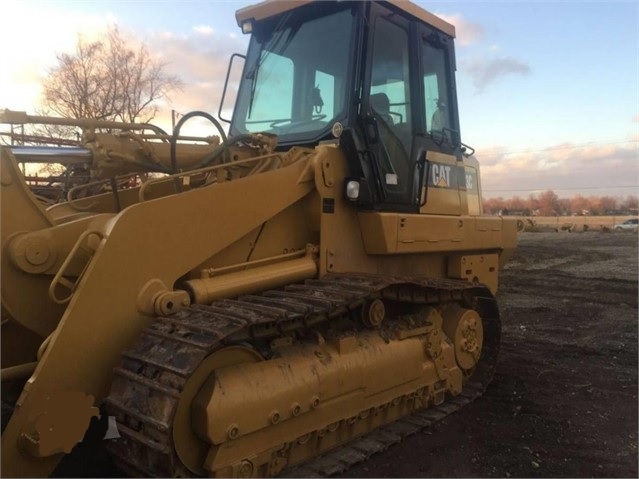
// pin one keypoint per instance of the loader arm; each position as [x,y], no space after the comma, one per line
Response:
[33,249]
[136,253]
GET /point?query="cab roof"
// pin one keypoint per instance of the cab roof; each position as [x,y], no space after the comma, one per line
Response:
[269,8]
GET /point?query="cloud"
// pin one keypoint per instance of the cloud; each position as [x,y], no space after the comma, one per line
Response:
[200,58]
[467,32]
[24,67]
[201,64]
[568,169]
[485,72]
[203,29]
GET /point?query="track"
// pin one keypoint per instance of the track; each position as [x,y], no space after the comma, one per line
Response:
[151,378]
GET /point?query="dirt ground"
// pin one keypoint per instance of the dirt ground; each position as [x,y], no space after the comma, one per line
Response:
[563,402]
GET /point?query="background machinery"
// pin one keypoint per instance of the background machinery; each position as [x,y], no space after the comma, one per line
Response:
[244,305]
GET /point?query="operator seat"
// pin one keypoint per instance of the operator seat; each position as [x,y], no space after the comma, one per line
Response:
[395,154]
[381,107]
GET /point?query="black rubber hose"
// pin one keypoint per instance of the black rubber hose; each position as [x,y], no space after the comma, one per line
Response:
[176,132]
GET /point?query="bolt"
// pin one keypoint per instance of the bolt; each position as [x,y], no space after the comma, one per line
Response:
[245,469]
[233,431]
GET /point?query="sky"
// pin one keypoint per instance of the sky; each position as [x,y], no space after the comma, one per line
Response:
[548,90]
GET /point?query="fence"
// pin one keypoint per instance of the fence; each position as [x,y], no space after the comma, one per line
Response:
[570,223]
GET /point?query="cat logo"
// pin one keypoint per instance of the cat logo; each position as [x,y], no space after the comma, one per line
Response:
[441,175]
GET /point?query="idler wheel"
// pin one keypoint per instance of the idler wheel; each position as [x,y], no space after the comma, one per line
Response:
[464,328]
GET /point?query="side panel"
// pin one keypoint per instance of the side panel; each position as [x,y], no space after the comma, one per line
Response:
[392,233]
[443,195]
[473,187]
[400,243]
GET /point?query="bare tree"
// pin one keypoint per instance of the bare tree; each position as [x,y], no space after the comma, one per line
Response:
[607,205]
[108,80]
[549,203]
[630,203]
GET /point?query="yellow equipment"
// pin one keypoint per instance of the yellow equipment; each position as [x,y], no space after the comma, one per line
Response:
[246,304]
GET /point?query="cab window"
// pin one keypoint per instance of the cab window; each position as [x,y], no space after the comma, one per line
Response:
[437,88]
[389,99]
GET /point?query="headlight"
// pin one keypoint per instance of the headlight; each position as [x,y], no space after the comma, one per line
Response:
[352,190]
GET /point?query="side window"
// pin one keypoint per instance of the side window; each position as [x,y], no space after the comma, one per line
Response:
[431,93]
[397,103]
[390,72]
[436,89]
[389,99]
[273,94]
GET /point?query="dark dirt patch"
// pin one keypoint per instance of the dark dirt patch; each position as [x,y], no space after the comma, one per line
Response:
[563,402]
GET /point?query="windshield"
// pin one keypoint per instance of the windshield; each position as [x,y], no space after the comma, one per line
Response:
[295,77]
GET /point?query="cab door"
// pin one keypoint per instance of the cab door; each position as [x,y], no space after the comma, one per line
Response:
[409,93]
[387,101]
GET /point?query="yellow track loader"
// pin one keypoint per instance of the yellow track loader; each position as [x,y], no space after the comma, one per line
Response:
[279,300]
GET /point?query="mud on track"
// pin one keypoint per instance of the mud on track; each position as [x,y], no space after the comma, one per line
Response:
[563,402]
